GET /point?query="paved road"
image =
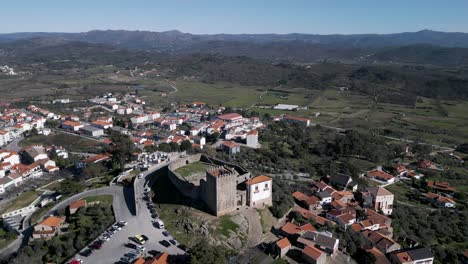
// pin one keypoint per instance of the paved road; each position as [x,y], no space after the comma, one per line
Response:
[141,223]
[13,146]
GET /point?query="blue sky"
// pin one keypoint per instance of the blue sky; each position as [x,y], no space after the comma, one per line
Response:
[235,16]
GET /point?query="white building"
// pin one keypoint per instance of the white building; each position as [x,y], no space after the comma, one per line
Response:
[139,119]
[259,191]
[382,199]
[285,107]
[4,137]
[92,131]
[252,139]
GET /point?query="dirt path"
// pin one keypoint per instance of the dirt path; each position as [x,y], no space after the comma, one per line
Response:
[255,228]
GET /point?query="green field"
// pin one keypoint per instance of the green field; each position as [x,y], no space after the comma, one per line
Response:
[192,168]
[20,201]
[69,142]
[104,200]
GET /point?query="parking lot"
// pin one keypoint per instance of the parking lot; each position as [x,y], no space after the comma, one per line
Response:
[141,224]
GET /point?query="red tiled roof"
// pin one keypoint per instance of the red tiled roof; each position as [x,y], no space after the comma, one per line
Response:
[312,252]
[77,204]
[52,221]
[230,144]
[258,179]
[230,116]
[283,243]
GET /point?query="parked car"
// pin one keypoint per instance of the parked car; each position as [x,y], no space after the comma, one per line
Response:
[117,227]
[86,253]
[182,247]
[145,237]
[173,242]
[123,223]
[164,243]
[140,175]
[131,255]
[141,248]
[165,233]
[131,245]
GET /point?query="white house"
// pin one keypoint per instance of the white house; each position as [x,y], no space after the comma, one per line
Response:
[72,125]
[382,199]
[4,137]
[252,138]
[139,119]
[34,153]
[259,191]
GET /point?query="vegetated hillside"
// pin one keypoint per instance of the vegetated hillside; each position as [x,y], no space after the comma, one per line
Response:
[394,83]
[175,39]
[389,83]
[292,51]
[60,53]
[425,54]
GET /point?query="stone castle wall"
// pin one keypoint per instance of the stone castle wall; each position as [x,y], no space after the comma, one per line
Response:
[218,193]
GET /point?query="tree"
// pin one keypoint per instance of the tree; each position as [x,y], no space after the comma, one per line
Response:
[93,170]
[121,149]
[164,147]
[203,253]
[174,146]
[186,145]
[364,257]
[68,186]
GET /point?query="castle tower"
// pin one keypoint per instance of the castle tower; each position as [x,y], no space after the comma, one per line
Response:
[221,189]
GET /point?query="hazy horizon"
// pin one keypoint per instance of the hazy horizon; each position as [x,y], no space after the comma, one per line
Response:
[240,17]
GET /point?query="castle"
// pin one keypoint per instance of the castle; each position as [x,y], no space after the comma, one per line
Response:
[224,187]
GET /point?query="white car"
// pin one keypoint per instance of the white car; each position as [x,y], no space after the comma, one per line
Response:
[105,238]
[117,227]
[141,248]
[140,175]
[123,223]
[147,189]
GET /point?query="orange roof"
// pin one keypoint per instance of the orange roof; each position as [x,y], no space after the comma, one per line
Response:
[356,227]
[72,123]
[252,132]
[77,204]
[230,144]
[139,260]
[258,179]
[291,228]
[379,174]
[102,123]
[312,252]
[283,243]
[307,227]
[299,196]
[52,221]
[297,118]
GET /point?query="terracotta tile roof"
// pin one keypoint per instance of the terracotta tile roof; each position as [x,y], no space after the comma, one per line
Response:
[307,227]
[258,179]
[291,228]
[53,221]
[379,256]
[296,118]
[379,175]
[299,196]
[72,123]
[97,158]
[283,243]
[77,204]
[312,252]
[379,191]
[356,227]
[230,144]
[444,186]
[230,116]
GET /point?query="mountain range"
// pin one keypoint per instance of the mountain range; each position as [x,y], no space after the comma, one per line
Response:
[422,47]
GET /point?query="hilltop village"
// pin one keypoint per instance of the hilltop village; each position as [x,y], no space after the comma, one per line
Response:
[63,162]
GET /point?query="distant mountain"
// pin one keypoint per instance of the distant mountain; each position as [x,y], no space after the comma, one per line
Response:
[424,54]
[176,40]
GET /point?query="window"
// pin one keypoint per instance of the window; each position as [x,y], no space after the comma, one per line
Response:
[266,187]
[256,189]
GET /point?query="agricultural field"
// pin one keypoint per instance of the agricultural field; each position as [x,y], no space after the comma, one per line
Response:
[70,142]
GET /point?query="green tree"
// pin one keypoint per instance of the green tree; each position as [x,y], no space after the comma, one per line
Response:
[204,253]
[364,257]
[186,145]
[121,149]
